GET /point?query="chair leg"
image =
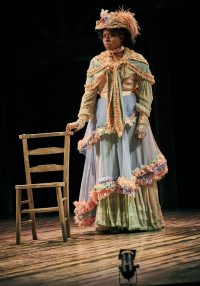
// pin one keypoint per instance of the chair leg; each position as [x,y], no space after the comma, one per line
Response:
[61,213]
[67,216]
[33,224]
[66,208]
[18,216]
[32,215]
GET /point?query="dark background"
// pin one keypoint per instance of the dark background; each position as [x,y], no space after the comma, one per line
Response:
[47,51]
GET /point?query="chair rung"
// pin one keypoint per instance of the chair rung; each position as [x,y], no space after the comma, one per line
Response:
[24,202]
[40,210]
[46,168]
[64,199]
[40,185]
[46,151]
[27,221]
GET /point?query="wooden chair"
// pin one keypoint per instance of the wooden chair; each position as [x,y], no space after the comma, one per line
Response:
[61,187]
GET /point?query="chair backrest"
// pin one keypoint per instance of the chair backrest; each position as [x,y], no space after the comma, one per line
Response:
[42,146]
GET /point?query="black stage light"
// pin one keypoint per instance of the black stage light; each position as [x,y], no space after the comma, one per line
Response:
[127,268]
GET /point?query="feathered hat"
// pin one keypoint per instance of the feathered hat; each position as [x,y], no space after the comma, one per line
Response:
[118,19]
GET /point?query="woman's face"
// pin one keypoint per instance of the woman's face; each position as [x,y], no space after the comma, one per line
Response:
[111,39]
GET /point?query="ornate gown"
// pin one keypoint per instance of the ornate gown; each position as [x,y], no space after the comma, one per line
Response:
[119,183]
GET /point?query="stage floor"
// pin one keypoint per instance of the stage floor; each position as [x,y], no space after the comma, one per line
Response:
[167,257]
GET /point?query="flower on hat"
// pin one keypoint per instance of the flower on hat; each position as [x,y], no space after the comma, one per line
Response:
[118,19]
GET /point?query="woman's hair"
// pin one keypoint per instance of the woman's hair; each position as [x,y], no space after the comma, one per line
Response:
[127,39]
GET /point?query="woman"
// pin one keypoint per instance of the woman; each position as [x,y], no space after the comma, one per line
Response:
[119,190]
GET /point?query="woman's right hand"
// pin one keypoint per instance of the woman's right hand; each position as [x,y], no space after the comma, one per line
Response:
[76,125]
[73,126]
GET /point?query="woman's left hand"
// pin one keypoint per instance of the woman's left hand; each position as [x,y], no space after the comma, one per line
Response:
[141,129]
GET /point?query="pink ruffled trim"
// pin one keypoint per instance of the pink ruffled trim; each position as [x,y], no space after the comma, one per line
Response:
[152,172]
[98,195]
[85,212]
[94,136]
[86,222]
[121,186]
[126,184]
[88,141]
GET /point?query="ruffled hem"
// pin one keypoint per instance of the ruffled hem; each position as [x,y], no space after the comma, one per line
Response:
[94,136]
[154,171]
[85,212]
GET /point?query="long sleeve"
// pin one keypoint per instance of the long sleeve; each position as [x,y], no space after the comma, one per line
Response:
[145,97]
[143,85]
[89,97]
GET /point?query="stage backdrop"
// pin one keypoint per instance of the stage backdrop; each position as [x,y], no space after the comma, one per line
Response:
[54,44]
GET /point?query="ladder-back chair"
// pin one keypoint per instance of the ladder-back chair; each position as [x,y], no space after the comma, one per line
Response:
[61,186]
